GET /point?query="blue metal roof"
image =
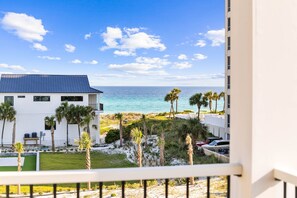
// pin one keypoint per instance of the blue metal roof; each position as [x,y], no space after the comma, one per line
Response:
[42,83]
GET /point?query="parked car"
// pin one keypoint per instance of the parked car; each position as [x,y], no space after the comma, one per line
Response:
[217,143]
[207,141]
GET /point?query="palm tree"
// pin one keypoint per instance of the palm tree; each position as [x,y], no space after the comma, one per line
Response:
[170,97]
[13,132]
[176,92]
[215,97]
[50,122]
[119,116]
[190,153]
[78,113]
[136,135]
[208,95]
[7,113]
[64,111]
[144,128]
[86,122]
[222,95]
[85,142]
[199,100]
[19,149]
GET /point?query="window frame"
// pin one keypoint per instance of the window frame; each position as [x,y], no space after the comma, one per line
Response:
[81,99]
[41,100]
[11,102]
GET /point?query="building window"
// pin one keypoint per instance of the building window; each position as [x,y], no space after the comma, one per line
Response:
[42,98]
[228,62]
[9,100]
[46,127]
[72,98]
[229,24]
[229,5]
[21,96]
[229,43]
[228,120]
[228,82]
[228,101]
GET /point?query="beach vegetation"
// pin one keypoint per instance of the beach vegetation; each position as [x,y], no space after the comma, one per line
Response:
[136,136]
[50,122]
[119,116]
[199,100]
[7,114]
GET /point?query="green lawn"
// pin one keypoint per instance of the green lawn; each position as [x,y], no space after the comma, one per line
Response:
[64,161]
[29,165]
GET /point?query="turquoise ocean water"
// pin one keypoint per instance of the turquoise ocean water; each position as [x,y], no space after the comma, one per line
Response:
[148,99]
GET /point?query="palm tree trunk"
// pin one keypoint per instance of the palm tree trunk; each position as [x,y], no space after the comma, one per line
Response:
[53,138]
[162,159]
[172,110]
[145,132]
[67,134]
[78,127]
[190,152]
[19,169]
[121,133]
[2,135]
[198,116]
[88,129]
[216,105]
[88,164]
[139,159]
[13,133]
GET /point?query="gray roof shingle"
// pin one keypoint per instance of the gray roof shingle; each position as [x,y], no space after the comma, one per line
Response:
[42,83]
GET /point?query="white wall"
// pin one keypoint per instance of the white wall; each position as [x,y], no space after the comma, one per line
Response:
[216,125]
[263,118]
[30,118]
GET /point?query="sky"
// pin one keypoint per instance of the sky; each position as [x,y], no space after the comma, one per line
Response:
[116,42]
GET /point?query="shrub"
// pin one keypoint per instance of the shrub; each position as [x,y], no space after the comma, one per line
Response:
[113,195]
[112,136]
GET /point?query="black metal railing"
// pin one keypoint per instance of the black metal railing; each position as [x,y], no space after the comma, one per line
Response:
[209,173]
[208,192]
[97,106]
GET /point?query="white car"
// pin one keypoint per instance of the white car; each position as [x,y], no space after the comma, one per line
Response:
[216,143]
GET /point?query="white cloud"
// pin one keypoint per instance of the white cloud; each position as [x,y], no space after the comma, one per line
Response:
[217,37]
[143,66]
[93,62]
[115,76]
[199,57]
[24,26]
[129,40]
[124,53]
[35,71]
[76,61]
[12,67]
[195,77]
[49,57]
[166,55]
[69,48]
[200,43]
[182,57]
[39,47]
[87,36]
[182,65]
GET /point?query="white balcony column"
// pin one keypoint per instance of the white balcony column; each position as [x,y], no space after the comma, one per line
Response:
[263,94]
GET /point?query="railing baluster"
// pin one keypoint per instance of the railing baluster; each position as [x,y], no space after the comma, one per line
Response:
[123,189]
[31,191]
[166,188]
[77,189]
[55,190]
[187,185]
[228,186]
[7,191]
[285,189]
[144,188]
[100,189]
[207,187]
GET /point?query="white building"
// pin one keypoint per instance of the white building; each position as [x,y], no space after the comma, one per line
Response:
[36,96]
[216,125]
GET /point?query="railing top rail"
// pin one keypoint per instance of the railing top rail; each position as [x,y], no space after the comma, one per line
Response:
[118,174]
[286,174]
